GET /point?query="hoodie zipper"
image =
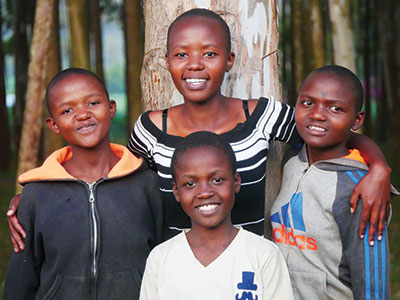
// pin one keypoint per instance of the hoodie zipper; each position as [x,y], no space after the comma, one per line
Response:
[95,233]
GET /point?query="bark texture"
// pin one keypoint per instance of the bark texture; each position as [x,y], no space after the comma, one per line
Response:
[32,124]
[342,34]
[134,40]
[51,141]
[79,34]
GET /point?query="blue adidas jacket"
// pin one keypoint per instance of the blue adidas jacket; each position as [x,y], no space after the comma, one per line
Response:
[318,236]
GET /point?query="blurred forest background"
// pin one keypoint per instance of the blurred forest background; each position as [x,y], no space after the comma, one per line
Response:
[107,37]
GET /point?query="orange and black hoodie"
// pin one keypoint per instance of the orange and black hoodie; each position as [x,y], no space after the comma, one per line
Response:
[85,241]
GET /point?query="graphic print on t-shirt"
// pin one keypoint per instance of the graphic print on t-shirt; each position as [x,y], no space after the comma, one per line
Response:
[247,287]
[292,229]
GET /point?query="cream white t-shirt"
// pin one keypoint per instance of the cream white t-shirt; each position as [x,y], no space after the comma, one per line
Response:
[251,267]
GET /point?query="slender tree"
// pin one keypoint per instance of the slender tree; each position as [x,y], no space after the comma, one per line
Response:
[389,26]
[134,47]
[316,32]
[32,124]
[23,12]
[5,151]
[255,72]
[298,51]
[52,141]
[79,34]
[95,34]
[342,34]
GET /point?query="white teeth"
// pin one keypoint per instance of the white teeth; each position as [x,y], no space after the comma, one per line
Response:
[208,207]
[195,80]
[317,128]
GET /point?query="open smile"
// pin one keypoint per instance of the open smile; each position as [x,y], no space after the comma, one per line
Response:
[316,129]
[195,83]
[208,209]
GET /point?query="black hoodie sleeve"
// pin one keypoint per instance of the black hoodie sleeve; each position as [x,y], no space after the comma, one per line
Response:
[22,278]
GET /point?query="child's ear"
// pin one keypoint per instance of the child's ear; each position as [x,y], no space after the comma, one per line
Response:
[231,59]
[358,121]
[113,108]
[52,125]
[167,60]
[237,182]
[175,191]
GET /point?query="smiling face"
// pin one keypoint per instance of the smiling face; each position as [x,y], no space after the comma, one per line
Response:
[206,186]
[325,114]
[198,57]
[80,111]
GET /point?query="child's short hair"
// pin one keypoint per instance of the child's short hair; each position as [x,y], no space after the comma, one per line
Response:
[206,13]
[203,139]
[71,71]
[349,76]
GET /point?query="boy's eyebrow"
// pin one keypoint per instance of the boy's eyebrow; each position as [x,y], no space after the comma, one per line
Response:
[87,97]
[330,100]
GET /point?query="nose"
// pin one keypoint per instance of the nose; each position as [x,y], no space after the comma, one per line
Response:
[318,113]
[83,113]
[195,62]
[205,191]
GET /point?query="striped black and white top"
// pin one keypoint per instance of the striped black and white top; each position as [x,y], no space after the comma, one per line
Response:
[250,141]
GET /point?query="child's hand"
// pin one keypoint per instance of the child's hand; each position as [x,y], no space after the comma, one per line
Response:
[374,190]
[16,229]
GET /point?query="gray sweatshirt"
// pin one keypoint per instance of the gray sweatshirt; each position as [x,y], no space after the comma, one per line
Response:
[318,236]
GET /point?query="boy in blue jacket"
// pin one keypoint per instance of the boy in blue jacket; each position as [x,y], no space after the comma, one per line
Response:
[311,218]
[92,212]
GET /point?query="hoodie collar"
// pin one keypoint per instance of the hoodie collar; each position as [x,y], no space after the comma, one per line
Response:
[52,168]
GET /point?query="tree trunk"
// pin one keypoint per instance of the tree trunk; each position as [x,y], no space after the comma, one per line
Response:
[342,34]
[134,47]
[367,126]
[316,32]
[5,151]
[298,49]
[22,19]
[388,32]
[32,124]
[79,34]
[51,141]
[255,72]
[95,32]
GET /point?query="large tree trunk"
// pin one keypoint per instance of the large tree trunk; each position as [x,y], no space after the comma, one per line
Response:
[134,43]
[79,34]
[342,34]
[254,36]
[5,150]
[51,141]
[32,124]
[95,33]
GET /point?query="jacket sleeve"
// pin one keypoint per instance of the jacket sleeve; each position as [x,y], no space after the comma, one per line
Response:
[141,142]
[156,206]
[23,274]
[364,268]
